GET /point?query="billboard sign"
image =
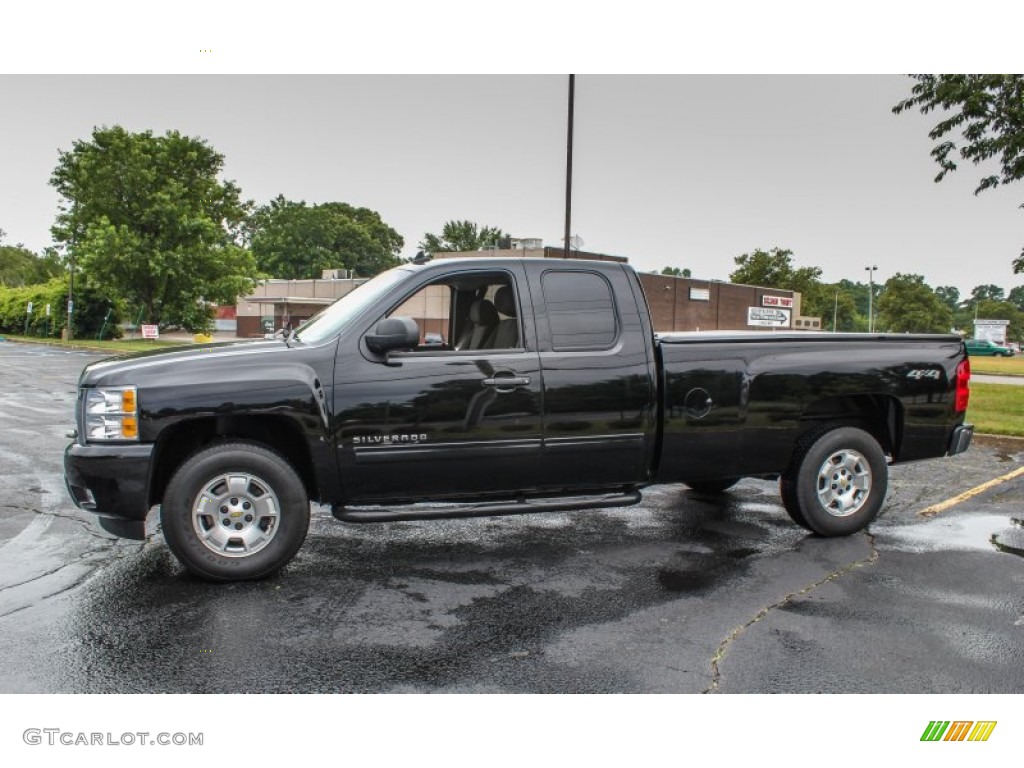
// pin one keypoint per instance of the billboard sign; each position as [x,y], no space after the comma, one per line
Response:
[991,330]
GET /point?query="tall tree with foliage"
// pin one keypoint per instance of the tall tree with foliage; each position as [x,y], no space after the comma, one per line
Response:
[1016,297]
[987,292]
[295,240]
[147,219]
[949,295]
[774,269]
[462,236]
[908,305]
[20,266]
[984,120]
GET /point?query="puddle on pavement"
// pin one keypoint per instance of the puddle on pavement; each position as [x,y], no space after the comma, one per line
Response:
[1006,548]
[959,532]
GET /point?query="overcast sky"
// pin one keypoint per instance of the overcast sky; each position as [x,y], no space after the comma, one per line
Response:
[687,171]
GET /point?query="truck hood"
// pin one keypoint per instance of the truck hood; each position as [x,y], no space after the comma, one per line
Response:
[178,363]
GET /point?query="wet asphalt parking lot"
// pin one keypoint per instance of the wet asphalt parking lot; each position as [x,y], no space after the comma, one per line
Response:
[684,593]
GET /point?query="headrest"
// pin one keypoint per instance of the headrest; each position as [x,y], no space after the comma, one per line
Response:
[482,312]
[505,301]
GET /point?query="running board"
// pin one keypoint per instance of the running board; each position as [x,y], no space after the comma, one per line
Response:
[365,514]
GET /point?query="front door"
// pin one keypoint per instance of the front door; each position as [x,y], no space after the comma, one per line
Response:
[459,415]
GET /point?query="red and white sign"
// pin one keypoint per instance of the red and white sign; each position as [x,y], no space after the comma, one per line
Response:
[776,301]
[150,332]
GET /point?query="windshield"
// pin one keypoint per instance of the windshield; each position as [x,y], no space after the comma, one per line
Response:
[331,320]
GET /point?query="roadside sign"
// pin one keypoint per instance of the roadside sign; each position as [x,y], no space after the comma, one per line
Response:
[771,318]
[30,308]
[777,301]
[47,310]
[991,330]
[150,332]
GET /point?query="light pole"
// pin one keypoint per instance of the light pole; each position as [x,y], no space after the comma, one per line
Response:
[71,298]
[568,163]
[871,297]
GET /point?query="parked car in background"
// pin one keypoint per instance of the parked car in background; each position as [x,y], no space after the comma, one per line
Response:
[984,347]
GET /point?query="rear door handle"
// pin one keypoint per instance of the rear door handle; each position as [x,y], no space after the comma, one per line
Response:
[506,382]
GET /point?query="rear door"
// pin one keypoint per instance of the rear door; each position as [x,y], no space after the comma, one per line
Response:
[599,386]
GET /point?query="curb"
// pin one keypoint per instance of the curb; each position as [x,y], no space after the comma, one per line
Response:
[76,347]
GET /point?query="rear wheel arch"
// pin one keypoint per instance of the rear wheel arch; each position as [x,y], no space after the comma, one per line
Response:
[881,416]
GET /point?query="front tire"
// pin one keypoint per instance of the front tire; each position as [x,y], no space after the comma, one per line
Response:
[838,482]
[235,511]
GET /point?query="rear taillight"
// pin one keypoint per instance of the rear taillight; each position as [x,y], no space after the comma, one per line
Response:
[963,390]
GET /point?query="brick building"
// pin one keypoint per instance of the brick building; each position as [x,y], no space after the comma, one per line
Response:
[689,304]
[276,304]
[677,303]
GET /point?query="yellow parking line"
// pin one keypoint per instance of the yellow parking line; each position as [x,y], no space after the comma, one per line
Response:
[942,506]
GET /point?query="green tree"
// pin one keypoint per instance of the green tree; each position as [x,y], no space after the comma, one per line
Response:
[859,293]
[985,114]
[462,236]
[908,305]
[147,220]
[842,309]
[988,292]
[1016,297]
[774,269]
[20,266]
[949,295]
[676,272]
[295,240]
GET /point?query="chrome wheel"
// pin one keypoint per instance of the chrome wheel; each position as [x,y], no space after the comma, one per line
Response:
[236,514]
[844,483]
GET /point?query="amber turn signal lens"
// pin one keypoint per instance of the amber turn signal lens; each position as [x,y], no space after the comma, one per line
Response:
[128,401]
[129,428]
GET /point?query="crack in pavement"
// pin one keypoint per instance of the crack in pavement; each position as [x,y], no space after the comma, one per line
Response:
[84,522]
[723,647]
[120,553]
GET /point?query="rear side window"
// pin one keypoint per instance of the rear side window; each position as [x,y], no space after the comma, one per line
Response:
[581,310]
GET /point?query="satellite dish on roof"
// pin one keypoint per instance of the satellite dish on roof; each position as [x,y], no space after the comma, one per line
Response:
[575,242]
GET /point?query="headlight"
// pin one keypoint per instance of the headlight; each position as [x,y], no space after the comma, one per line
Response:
[111,414]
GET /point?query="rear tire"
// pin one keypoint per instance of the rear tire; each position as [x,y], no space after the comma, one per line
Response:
[235,511]
[787,490]
[837,483]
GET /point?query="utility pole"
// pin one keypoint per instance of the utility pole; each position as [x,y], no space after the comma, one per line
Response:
[568,165]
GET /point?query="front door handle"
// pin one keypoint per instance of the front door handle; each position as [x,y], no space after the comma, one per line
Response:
[506,382]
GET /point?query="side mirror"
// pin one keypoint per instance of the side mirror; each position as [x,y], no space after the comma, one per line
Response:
[393,333]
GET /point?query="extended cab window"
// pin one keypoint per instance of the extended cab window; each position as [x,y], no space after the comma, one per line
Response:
[467,311]
[581,310]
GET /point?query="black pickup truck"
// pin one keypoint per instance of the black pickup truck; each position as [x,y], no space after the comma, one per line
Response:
[539,385]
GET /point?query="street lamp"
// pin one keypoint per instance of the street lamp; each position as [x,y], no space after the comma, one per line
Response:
[871,297]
